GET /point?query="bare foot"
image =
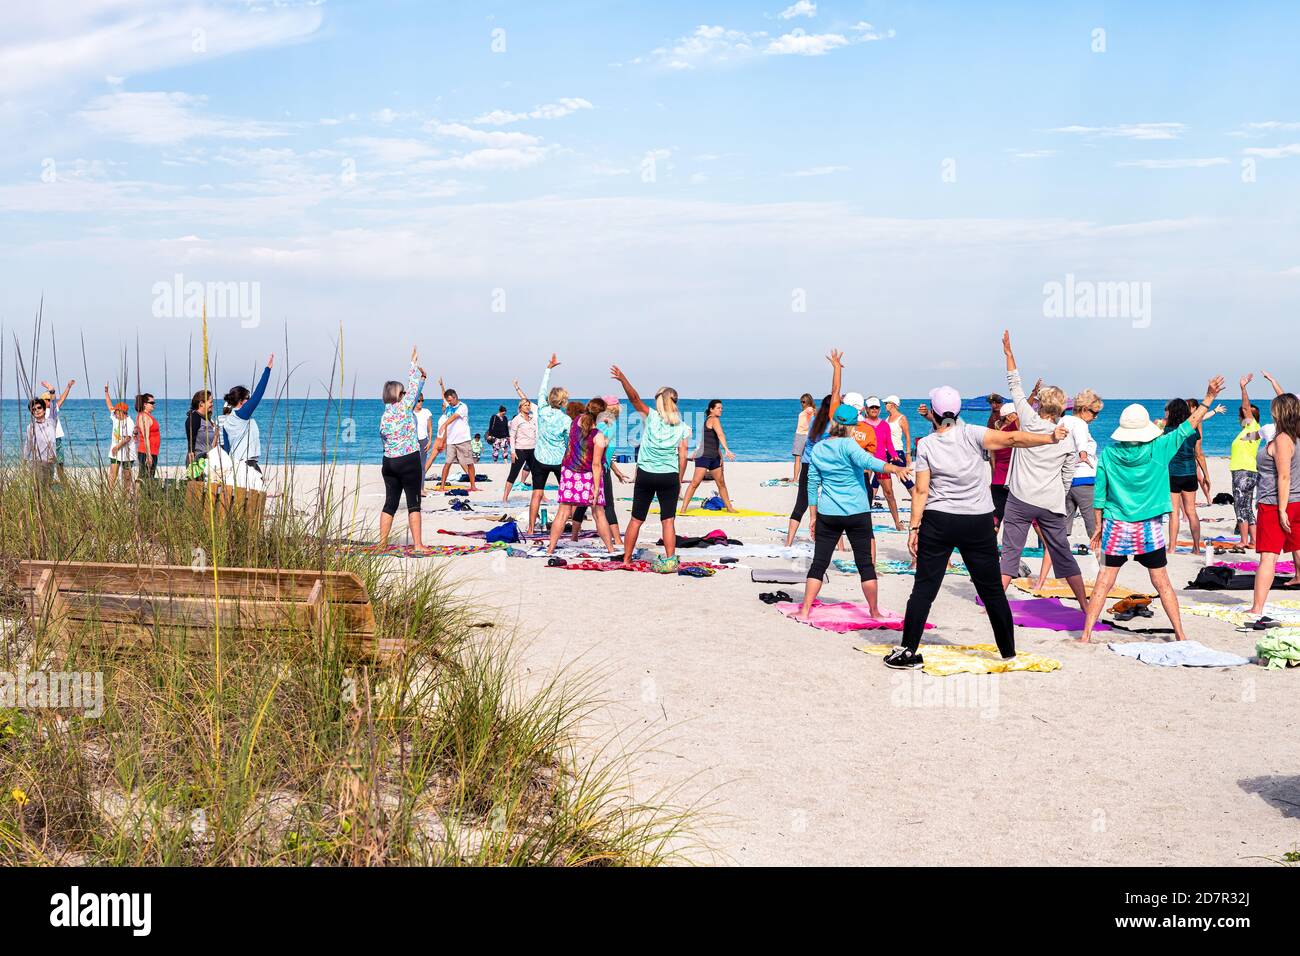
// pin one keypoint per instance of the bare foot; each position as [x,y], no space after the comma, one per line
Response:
[732,510]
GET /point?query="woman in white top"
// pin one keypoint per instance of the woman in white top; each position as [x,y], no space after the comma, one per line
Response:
[523,439]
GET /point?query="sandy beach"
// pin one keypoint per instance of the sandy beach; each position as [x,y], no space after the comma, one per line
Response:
[805,750]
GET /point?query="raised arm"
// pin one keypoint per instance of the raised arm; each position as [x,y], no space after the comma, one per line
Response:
[632,395]
[1245,399]
[520,392]
[1277,389]
[1028,417]
[836,358]
[246,410]
[994,440]
[546,383]
[107,400]
[66,390]
[1212,391]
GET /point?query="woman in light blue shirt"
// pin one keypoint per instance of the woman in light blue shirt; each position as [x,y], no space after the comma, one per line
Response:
[837,496]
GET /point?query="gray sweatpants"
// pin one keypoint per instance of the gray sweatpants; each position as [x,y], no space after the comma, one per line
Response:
[1051,528]
[1079,499]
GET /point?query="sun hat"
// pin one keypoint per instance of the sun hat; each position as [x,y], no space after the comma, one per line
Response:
[855,399]
[609,400]
[120,407]
[873,402]
[846,414]
[1135,425]
[892,400]
[945,400]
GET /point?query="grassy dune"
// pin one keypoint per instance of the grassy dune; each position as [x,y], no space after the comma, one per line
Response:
[277,751]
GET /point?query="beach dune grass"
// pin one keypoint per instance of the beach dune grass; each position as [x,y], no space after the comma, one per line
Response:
[268,748]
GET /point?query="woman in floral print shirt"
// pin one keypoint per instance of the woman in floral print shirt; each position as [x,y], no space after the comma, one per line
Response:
[401,469]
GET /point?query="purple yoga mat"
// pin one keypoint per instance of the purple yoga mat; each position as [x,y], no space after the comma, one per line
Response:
[1048,613]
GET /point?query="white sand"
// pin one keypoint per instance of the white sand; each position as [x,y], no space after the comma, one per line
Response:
[809,751]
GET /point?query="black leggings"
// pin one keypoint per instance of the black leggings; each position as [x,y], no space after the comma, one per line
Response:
[801,500]
[402,473]
[974,536]
[829,528]
[665,486]
[523,459]
[611,515]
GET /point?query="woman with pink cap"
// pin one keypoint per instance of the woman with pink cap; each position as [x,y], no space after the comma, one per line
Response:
[952,508]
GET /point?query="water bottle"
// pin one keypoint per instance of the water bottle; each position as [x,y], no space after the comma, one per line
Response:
[545,522]
[1209,554]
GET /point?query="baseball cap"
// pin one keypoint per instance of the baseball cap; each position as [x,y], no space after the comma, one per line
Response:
[945,400]
[892,400]
[855,399]
[846,414]
[873,402]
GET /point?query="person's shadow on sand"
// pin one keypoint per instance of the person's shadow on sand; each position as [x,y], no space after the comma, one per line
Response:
[1278,791]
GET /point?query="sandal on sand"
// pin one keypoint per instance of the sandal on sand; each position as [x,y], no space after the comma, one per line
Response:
[1263,624]
[775,597]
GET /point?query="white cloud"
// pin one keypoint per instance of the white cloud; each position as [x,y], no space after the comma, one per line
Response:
[392,150]
[483,137]
[161,119]
[388,116]
[803,8]
[1035,154]
[1140,131]
[508,158]
[1273,152]
[819,171]
[49,47]
[1176,163]
[714,46]
[564,107]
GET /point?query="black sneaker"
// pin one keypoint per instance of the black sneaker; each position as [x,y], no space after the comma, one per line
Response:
[900,658]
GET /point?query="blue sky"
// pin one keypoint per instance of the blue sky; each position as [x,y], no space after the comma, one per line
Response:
[709,194]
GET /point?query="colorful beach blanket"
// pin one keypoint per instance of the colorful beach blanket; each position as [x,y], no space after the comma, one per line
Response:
[686,568]
[432,551]
[1178,654]
[706,513]
[843,616]
[1287,611]
[1049,614]
[1283,567]
[1055,587]
[944,660]
[893,566]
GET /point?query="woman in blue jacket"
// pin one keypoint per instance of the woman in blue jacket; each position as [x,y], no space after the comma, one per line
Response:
[837,496]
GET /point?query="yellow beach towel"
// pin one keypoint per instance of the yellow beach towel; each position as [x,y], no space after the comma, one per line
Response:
[1055,587]
[944,660]
[1286,610]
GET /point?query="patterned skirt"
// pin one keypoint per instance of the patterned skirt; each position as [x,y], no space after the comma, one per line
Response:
[579,488]
[1132,537]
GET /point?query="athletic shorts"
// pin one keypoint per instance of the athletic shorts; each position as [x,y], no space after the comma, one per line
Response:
[541,472]
[649,485]
[1151,560]
[708,464]
[1269,536]
[1180,483]
[799,442]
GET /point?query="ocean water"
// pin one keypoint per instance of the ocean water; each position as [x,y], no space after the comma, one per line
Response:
[310,431]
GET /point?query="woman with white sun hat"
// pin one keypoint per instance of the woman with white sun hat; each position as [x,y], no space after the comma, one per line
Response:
[1131,502]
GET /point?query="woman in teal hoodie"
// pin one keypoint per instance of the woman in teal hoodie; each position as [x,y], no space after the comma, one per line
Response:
[1131,499]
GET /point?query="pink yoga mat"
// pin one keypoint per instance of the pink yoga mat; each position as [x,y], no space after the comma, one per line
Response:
[1283,567]
[844,616]
[1048,613]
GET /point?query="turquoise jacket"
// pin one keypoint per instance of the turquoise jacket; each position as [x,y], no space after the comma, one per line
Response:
[1133,477]
[837,481]
[552,427]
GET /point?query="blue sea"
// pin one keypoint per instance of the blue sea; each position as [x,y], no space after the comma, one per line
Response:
[309,431]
